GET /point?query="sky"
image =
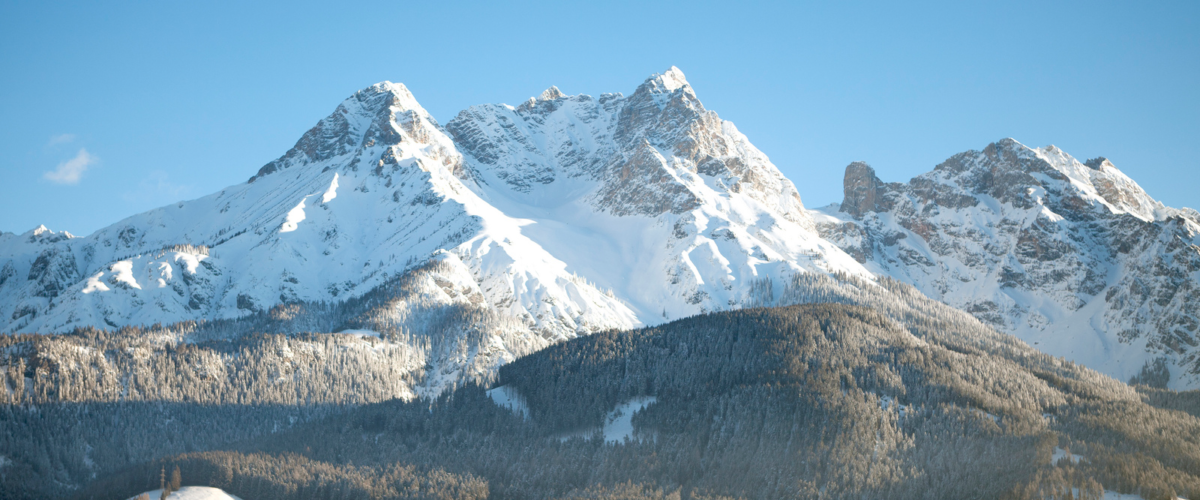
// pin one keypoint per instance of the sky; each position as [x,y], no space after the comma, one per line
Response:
[111,109]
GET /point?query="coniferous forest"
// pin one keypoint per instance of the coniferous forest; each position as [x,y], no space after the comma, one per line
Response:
[834,389]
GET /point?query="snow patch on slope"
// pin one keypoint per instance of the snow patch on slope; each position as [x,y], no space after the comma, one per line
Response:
[618,424]
[293,218]
[330,193]
[508,397]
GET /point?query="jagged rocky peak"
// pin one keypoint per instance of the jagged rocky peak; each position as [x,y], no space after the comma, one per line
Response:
[1099,163]
[374,119]
[662,109]
[1015,173]
[551,94]
[43,234]
[1002,169]
[656,151]
[667,81]
[665,112]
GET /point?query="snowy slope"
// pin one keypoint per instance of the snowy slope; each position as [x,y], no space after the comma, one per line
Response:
[1074,258]
[651,196]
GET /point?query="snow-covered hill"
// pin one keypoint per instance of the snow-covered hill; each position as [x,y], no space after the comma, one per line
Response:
[1074,258]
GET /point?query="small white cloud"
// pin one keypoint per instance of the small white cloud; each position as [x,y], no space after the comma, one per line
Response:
[61,139]
[69,172]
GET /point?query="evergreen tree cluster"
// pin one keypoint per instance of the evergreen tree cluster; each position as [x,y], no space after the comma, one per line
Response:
[289,476]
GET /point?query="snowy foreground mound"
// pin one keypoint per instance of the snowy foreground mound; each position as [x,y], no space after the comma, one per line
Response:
[192,493]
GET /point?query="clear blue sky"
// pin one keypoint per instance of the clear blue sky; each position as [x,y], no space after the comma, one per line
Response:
[175,100]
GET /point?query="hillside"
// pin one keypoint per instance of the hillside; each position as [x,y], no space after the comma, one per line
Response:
[823,400]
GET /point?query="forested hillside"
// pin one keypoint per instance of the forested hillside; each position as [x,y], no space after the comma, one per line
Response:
[809,401]
[77,406]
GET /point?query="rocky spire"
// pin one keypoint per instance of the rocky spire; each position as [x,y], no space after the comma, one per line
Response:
[862,189]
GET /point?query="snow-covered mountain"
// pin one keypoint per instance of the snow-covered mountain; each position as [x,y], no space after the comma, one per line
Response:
[367,193]
[1074,258]
[568,214]
[651,196]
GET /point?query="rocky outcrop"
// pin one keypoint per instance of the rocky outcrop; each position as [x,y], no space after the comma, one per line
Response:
[863,191]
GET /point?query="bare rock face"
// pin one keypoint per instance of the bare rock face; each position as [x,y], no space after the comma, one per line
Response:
[862,190]
[1073,257]
[643,184]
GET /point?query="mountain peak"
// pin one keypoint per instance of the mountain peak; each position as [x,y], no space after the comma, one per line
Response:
[548,95]
[377,116]
[394,95]
[45,235]
[551,94]
[666,82]
[1010,145]
[673,78]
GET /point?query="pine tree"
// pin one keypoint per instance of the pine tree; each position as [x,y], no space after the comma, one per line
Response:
[162,483]
[176,479]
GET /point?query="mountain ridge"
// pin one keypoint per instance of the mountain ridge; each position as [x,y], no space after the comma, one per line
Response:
[1072,257]
[577,214]
[381,139]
